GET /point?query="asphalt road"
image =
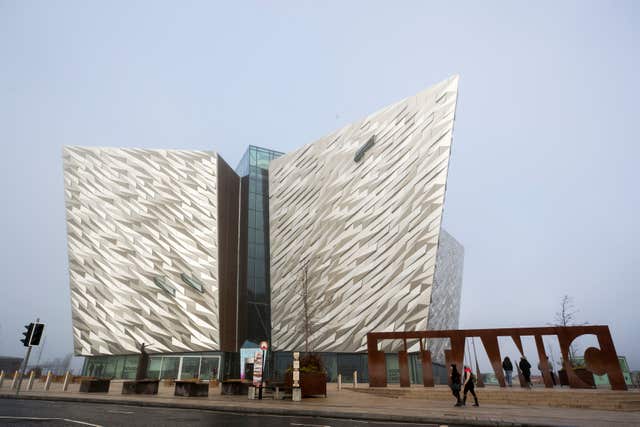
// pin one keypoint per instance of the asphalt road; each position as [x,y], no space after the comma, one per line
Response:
[70,414]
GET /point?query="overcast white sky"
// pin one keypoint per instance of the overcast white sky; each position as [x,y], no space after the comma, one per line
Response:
[542,187]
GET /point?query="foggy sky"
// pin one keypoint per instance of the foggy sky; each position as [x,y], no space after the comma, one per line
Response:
[542,188]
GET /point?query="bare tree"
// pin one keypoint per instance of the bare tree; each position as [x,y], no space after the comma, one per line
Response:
[304,294]
[566,317]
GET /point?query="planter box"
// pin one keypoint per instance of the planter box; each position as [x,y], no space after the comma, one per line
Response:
[95,386]
[235,387]
[140,387]
[191,389]
[311,383]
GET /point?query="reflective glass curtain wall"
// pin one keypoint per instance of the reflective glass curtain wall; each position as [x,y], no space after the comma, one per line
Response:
[254,241]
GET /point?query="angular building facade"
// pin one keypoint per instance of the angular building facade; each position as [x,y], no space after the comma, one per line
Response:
[358,213]
[176,250]
[152,242]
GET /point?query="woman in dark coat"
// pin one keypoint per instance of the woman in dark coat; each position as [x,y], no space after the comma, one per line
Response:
[455,384]
[525,367]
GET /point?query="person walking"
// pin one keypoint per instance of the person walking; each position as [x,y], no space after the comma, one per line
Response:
[525,367]
[455,384]
[508,370]
[469,386]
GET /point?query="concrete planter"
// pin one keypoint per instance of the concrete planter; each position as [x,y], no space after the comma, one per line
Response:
[140,387]
[191,389]
[235,387]
[95,386]
[311,383]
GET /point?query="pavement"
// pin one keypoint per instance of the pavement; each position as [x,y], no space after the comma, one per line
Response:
[350,404]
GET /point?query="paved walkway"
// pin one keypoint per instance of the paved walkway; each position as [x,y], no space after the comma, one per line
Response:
[348,403]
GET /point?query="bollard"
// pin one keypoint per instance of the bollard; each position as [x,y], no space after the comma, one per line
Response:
[47,382]
[355,379]
[1,378]
[339,382]
[66,381]
[31,377]
[15,380]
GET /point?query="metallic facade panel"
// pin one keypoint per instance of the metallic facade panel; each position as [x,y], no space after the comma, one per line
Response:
[136,221]
[366,228]
[444,311]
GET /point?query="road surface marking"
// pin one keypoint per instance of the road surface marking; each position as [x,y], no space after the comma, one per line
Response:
[309,425]
[120,412]
[50,419]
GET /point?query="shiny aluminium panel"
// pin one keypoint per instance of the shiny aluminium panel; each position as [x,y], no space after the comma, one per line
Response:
[358,213]
[142,230]
[446,293]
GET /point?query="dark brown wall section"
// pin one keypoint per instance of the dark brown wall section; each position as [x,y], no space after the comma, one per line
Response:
[243,249]
[228,202]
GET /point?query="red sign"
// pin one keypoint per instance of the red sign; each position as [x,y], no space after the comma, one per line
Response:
[264,345]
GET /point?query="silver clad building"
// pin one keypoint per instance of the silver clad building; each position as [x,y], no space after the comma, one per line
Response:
[359,211]
[146,261]
[174,249]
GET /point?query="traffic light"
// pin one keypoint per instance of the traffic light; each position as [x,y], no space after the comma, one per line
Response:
[37,333]
[27,335]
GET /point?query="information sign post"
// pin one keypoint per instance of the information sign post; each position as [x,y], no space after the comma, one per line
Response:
[264,346]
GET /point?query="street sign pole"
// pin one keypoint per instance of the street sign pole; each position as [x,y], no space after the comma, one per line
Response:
[26,362]
[24,370]
[263,346]
[261,378]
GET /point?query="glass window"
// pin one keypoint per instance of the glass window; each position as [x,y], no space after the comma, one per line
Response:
[155,363]
[393,368]
[263,162]
[170,367]
[260,291]
[192,281]
[190,368]
[119,366]
[209,368]
[130,367]
[348,363]
[161,282]
[331,365]
[258,203]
